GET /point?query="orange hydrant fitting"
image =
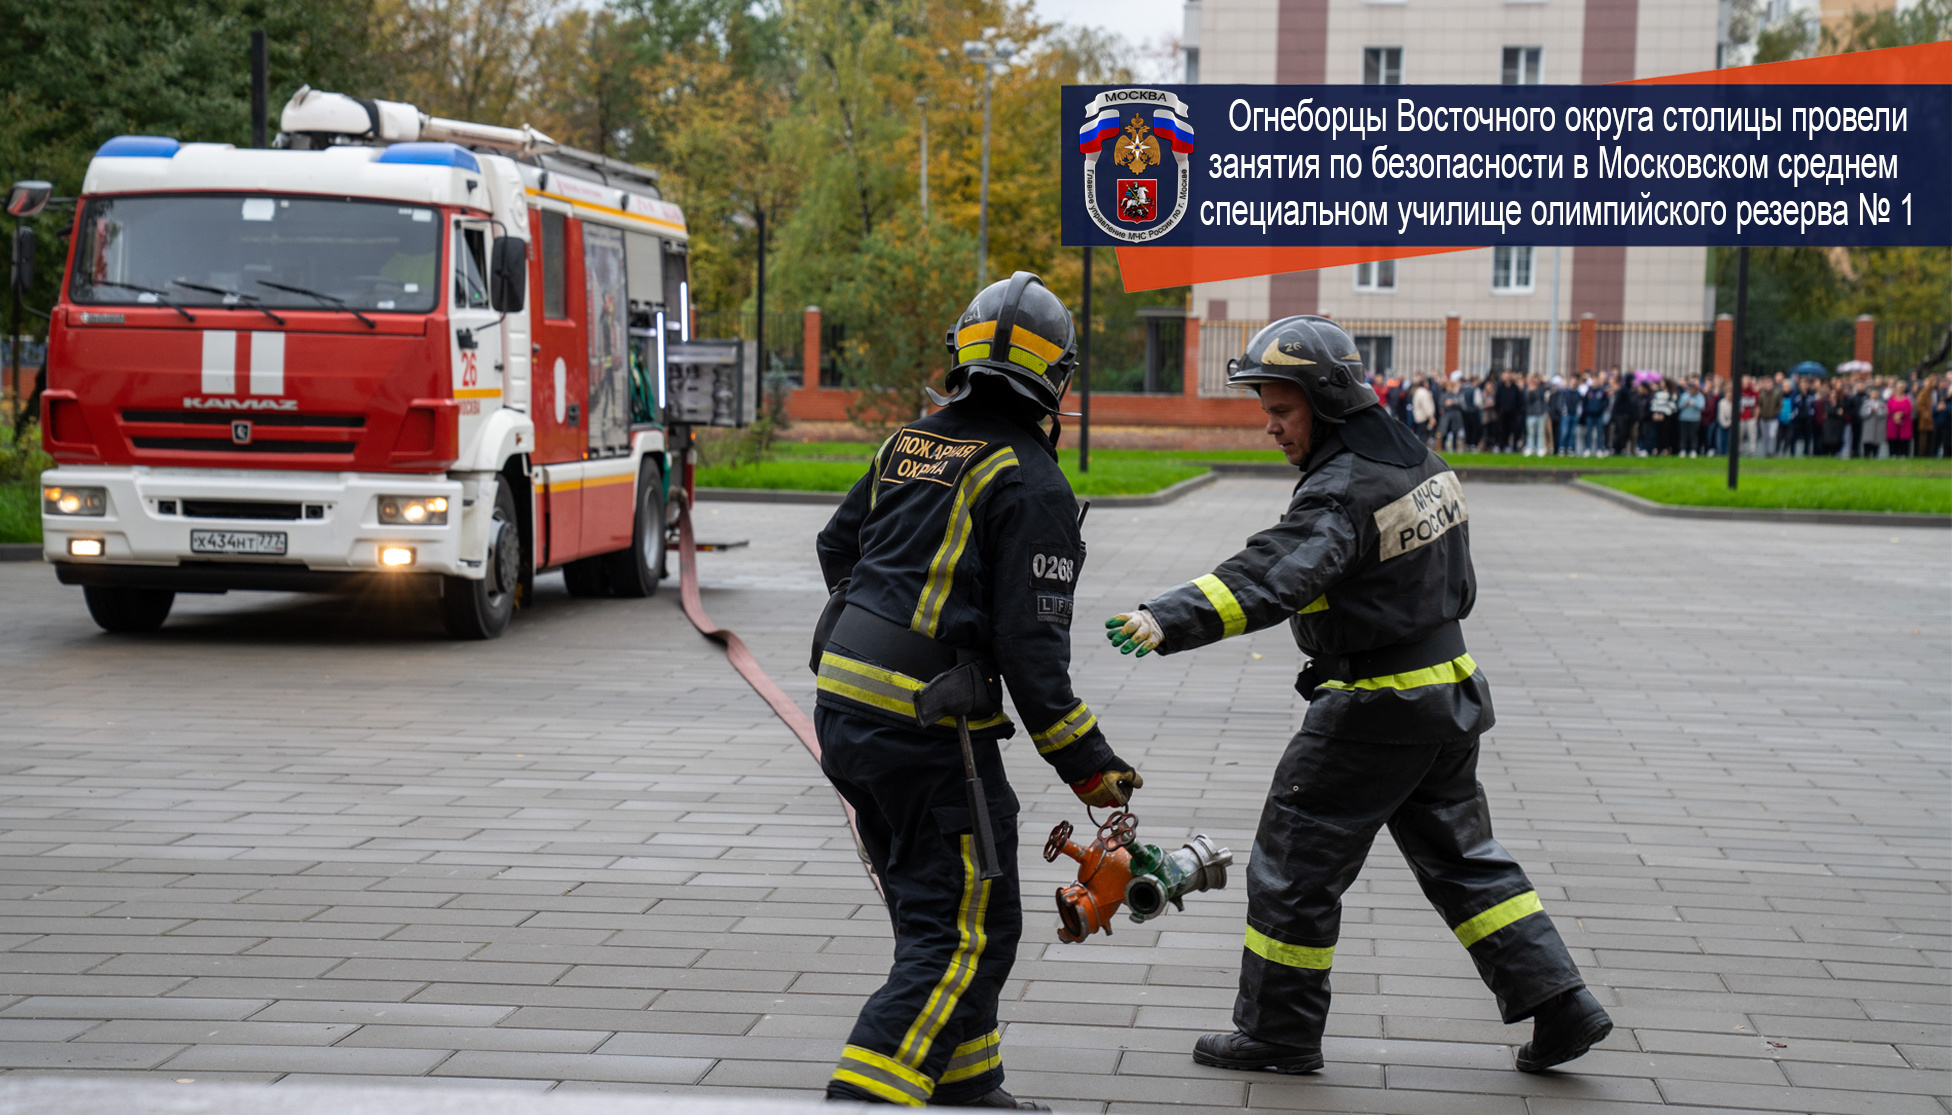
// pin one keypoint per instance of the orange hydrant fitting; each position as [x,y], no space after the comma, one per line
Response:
[1104,870]
[1115,869]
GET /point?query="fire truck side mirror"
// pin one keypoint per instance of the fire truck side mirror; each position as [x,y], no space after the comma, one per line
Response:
[508,274]
[27,199]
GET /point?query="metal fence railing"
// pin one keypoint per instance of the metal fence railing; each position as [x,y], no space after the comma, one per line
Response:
[1901,346]
[1221,341]
[1143,354]
[785,336]
[1397,348]
[1680,350]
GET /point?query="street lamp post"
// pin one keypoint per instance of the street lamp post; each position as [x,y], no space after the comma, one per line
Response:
[922,103]
[990,56]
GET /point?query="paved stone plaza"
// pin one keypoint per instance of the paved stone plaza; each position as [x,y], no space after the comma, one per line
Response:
[297,839]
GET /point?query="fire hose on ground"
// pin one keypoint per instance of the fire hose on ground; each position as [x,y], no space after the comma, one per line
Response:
[742,660]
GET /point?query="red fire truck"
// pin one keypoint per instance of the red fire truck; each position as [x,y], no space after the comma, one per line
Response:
[392,346]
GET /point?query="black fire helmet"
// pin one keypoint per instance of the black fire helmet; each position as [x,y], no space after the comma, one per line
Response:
[1314,354]
[1017,330]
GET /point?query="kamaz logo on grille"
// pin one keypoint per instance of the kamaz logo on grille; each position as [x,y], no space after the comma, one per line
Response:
[240,432]
[193,402]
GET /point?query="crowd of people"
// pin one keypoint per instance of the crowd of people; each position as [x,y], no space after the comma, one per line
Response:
[1646,414]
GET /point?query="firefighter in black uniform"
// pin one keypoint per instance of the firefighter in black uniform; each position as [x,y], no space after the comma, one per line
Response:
[957,555]
[1371,567]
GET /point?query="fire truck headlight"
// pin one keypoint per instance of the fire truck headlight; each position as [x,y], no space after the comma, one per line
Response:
[74,501]
[397,557]
[413,511]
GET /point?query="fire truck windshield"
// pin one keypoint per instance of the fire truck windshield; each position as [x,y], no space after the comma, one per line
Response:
[258,251]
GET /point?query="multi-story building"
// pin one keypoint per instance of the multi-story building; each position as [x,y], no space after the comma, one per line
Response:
[1508,297]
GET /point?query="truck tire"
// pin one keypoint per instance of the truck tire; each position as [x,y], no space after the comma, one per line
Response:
[128,611]
[482,609]
[635,572]
[585,579]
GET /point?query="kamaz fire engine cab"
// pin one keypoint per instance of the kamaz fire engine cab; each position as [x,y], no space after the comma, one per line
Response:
[392,346]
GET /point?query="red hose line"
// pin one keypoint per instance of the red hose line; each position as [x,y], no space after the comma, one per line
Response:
[743,661]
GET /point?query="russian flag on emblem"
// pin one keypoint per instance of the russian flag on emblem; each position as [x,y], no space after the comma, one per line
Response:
[1092,136]
[1165,123]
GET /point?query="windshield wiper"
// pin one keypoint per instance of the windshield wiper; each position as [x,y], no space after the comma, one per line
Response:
[251,300]
[332,300]
[159,295]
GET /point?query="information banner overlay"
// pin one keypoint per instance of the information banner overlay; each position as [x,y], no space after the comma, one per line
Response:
[1470,165]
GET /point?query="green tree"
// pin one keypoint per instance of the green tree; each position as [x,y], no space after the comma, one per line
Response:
[1927,21]
[81,72]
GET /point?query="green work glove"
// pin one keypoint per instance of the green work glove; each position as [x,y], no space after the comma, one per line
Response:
[1135,630]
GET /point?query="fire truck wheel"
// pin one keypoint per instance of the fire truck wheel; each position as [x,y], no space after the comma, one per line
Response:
[128,611]
[481,609]
[635,572]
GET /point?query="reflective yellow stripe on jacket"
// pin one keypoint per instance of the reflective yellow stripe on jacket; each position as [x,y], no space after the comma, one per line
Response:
[1443,673]
[1233,621]
[1066,731]
[877,688]
[942,571]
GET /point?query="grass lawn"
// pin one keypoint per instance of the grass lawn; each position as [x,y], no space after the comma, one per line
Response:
[835,466]
[1824,483]
[1832,491]
[20,512]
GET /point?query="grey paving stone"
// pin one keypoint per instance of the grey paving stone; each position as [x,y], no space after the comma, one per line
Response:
[254,1032]
[632,878]
[300,1058]
[476,1037]
[578,1066]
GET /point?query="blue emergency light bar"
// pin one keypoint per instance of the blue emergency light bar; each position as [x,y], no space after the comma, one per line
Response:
[431,154]
[139,147]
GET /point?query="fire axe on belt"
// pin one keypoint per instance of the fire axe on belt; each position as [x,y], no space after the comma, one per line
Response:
[966,690]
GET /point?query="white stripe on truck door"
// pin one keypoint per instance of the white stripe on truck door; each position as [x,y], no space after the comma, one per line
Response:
[267,363]
[220,361]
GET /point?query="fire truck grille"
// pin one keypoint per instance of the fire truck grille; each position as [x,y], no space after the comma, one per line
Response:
[240,509]
[257,418]
[256,445]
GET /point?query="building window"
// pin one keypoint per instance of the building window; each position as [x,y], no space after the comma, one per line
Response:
[1511,354]
[1382,65]
[1380,275]
[1511,270]
[1523,64]
[1376,354]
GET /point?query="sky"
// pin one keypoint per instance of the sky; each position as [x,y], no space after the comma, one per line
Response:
[1137,20]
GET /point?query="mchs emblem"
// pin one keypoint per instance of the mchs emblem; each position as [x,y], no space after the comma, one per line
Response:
[1138,128]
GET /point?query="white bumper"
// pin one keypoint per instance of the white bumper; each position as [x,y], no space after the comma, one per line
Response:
[336,528]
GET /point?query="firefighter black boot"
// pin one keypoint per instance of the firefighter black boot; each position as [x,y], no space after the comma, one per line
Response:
[1565,1026]
[1000,1098]
[1238,1051]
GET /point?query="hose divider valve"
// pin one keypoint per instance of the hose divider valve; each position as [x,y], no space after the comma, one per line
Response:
[1116,869]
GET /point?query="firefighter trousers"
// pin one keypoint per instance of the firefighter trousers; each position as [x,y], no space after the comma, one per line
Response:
[929,1035]
[1328,799]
